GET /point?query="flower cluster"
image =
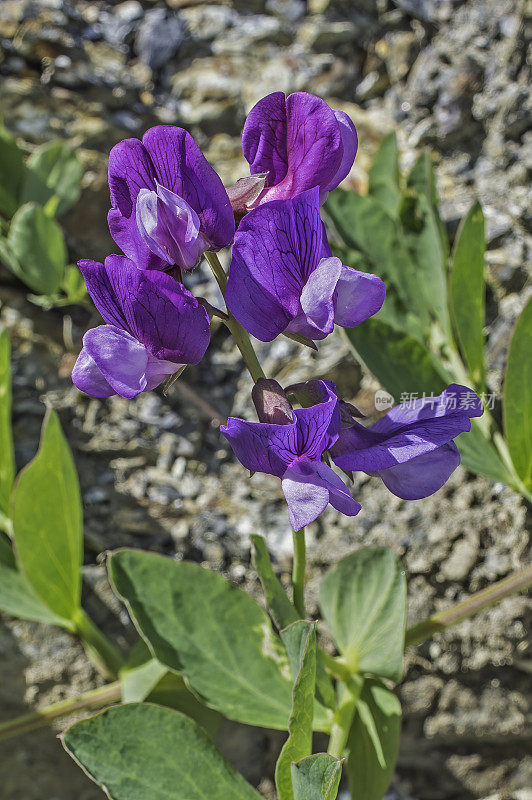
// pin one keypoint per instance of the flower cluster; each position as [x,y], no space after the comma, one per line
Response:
[168,208]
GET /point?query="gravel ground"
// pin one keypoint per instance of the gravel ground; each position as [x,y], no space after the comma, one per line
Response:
[155,473]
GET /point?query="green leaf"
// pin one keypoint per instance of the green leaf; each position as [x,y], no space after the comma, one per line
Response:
[517,406]
[363,600]
[11,173]
[316,777]
[222,641]
[7,556]
[53,169]
[74,285]
[47,522]
[373,742]
[422,180]
[37,243]
[7,456]
[138,682]
[147,752]
[480,456]
[18,598]
[468,292]
[384,176]
[300,642]
[427,280]
[279,606]
[399,362]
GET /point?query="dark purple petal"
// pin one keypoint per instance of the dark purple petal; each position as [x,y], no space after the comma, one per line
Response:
[264,447]
[88,378]
[309,487]
[181,167]
[349,150]
[359,296]
[170,157]
[422,476]
[121,359]
[407,431]
[277,247]
[300,142]
[151,306]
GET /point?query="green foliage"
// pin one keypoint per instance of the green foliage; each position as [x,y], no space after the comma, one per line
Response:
[11,173]
[468,292]
[18,598]
[373,742]
[316,777]
[38,247]
[197,623]
[363,601]
[279,606]
[518,397]
[385,177]
[48,523]
[7,456]
[147,752]
[300,642]
[53,169]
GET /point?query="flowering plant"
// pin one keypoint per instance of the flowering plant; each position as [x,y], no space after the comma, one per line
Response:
[206,648]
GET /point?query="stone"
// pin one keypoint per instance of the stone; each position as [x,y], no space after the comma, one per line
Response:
[159,37]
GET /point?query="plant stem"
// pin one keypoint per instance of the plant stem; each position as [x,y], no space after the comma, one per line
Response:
[39,719]
[241,337]
[98,646]
[6,525]
[349,693]
[298,571]
[518,582]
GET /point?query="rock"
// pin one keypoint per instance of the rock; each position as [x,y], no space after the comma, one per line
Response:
[159,37]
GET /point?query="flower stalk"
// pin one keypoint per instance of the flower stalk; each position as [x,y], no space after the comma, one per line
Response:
[298,571]
[100,650]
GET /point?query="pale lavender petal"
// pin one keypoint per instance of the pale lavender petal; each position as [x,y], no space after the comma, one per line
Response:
[121,359]
[359,296]
[305,494]
[422,476]
[309,486]
[277,247]
[316,319]
[88,378]
[349,150]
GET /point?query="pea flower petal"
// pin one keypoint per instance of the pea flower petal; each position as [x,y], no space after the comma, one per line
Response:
[300,142]
[282,276]
[154,326]
[168,164]
[411,448]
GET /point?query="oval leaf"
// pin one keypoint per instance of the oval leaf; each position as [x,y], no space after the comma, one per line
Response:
[53,169]
[373,742]
[518,397]
[37,243]
[468,291]
[147,752]
[316,777]
[48,522]
[18,598]
[363,600]
[384,175]
[11,173]
[217,636]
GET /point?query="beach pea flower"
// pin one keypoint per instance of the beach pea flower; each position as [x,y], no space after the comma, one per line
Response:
[292,449]
[283,277]
[168,204]
[299,142]
[411,448]
[154,327]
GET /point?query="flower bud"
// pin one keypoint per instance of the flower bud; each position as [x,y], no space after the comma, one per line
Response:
[271,402]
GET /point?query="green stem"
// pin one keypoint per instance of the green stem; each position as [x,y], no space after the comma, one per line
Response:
[518,582]
[98,646]
[343,718]
[298,572]
[102,696]
[241,337]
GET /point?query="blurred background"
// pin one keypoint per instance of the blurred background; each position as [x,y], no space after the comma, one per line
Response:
[446,74]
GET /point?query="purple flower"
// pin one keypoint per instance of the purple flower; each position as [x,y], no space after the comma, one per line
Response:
[154,327]
[411,448]
[169,205]
[292,451]
[300,142]
[282,276]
